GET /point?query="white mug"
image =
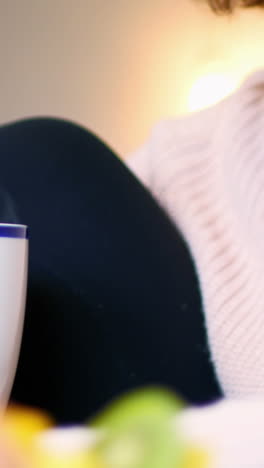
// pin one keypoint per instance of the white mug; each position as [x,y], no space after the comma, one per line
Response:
[13,282]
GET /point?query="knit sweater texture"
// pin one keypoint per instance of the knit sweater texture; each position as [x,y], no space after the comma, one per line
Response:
[207,171]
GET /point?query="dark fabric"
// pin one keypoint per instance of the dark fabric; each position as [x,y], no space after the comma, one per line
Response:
[113,299]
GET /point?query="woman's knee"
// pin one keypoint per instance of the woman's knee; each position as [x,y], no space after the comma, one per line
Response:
[44,132]
[49,145]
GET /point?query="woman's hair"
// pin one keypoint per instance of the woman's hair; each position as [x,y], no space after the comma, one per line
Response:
[227,6]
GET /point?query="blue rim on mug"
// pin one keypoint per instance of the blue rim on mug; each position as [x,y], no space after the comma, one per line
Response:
[13,231]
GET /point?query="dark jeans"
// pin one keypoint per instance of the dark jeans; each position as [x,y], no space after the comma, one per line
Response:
[113,299]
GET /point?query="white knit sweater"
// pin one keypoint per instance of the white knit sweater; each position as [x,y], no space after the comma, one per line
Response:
[207,171]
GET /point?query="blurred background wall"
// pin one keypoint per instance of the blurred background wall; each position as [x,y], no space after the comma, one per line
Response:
[117,66]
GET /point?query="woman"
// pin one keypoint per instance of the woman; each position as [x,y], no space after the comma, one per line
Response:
[147,279]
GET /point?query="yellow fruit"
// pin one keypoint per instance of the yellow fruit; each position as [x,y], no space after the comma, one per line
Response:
[82,460]
[70,447]
[22,424]
[196,458]
[93,461]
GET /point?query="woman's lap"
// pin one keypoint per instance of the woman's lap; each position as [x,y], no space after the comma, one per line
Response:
[113,298]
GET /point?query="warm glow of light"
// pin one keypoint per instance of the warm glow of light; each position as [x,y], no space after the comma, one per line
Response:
[210,88]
